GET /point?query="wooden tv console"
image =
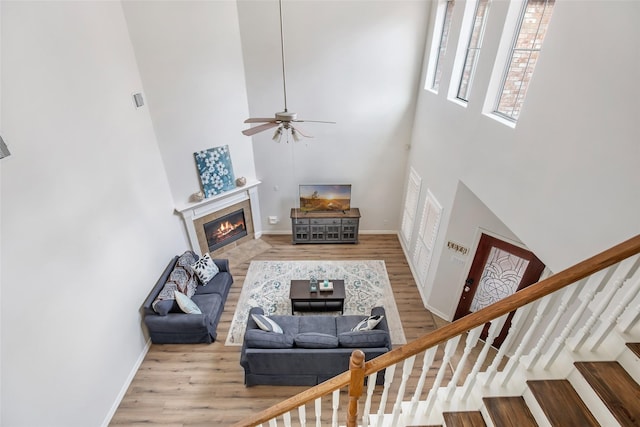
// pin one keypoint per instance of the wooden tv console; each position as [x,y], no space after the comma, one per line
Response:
[325,226]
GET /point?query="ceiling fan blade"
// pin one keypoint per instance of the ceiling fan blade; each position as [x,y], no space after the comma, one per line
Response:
[257,129]
[312,121]
[259,120]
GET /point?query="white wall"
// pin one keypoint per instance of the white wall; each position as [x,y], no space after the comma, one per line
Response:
[353,62]
[565,180]
[190,60]
[87,214]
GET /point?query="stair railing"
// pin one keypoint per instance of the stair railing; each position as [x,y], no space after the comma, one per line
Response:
[613,276]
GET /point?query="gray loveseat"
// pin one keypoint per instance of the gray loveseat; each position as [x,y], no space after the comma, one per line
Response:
[177,327]
[310,350]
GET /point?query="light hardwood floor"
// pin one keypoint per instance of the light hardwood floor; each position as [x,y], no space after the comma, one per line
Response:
[202,384]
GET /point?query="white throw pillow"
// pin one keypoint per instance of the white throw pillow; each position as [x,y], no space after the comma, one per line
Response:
[266,324]
[368,324]
[186,304]
[205,268]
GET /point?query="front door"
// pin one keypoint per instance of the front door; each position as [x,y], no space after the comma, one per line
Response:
[498,270]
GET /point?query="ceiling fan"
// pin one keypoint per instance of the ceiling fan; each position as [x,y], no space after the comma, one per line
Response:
[284,120]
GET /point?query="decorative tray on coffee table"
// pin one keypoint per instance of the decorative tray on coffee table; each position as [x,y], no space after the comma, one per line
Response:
[325,286]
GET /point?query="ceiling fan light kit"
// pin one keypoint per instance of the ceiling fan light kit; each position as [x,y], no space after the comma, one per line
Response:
[283,120]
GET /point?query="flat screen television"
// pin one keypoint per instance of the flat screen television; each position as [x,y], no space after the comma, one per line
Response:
[325,197]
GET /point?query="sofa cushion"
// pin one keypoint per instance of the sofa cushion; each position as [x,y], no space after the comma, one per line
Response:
[180,279]
[316,340]
[210,305]
[364,339]
[219,284]
[266,324]
[186,304]
[257,338]
[322,324]
[205,268]
[368,324]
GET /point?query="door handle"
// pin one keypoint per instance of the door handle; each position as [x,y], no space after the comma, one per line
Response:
[467,289]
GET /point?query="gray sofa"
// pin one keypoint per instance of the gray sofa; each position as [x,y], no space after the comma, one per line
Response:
[311,349]
[177,327]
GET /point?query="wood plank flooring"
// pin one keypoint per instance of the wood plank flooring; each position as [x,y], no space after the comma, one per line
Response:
[202,384]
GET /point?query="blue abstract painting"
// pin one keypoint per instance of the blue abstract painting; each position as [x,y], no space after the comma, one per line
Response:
[216,172]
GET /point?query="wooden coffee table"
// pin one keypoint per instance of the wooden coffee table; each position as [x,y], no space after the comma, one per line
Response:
[302,299]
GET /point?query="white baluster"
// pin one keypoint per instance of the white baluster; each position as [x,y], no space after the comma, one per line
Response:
[587,294]
[521,313]
[494,331]
[429,355]
[541,310]
[388,379]
[287,419]
[371,385]
[612,319]
[273,422]
[302,414]
[607,294]
[407,367]
[631,318]
[615,282]
[568,296]
[336,405]
[470,343]
[449,350]
[318,406]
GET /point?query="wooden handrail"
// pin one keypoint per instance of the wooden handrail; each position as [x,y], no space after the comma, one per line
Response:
[519,299]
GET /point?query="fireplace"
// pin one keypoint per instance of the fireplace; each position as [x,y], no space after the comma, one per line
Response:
[199,214]
[224,230]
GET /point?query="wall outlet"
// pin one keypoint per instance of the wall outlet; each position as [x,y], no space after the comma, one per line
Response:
[273,219]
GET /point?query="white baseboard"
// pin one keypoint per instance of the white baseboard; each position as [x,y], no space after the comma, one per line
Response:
[126,384]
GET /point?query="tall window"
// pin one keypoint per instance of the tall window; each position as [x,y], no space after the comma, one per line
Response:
[534,21]
[442,45]
[473,49]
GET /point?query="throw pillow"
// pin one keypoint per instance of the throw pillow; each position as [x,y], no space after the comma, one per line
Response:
[186,304]
[316,340]
[266,324]
[368,324]
[205,268]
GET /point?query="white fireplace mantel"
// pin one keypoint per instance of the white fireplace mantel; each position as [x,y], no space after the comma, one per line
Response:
[197,210]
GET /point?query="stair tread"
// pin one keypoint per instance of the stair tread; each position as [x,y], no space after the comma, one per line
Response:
[463,419]
[635,347]
[615,387]
[511,411]
[561,403]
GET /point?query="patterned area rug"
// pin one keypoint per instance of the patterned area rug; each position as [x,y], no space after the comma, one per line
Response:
[267,285]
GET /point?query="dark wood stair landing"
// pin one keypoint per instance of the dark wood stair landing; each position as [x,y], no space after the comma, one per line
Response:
[561,403]
[509,412]
[615,387]
[463,419]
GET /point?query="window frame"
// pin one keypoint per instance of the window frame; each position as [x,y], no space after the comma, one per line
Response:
[444,16]
[477,49]
[506,69]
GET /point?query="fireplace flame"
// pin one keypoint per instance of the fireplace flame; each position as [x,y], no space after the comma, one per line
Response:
[226,228]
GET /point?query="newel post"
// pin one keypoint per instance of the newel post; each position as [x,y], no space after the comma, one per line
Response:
[356,367]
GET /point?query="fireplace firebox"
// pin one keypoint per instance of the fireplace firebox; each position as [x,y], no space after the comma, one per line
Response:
[225,230]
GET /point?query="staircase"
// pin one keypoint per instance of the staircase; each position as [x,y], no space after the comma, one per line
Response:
[556,402]
[571,358]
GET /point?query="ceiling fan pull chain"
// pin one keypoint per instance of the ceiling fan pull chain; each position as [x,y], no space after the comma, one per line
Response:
[284,74]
